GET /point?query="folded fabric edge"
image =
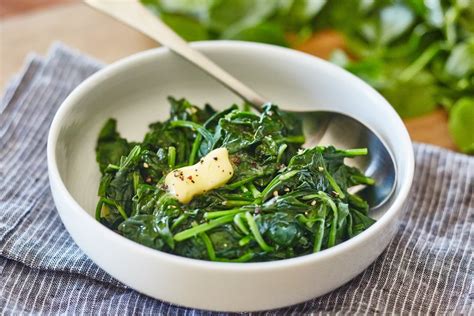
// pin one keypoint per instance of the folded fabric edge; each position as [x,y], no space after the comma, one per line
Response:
[8,292]
[59,48]
[434,148]
[7,260]
[31,67]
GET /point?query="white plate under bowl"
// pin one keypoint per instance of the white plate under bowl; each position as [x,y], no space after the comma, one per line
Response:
[134,91]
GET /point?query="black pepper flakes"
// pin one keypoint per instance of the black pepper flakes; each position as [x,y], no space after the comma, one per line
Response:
[235,160]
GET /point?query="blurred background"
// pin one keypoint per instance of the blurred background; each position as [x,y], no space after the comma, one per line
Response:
[418,53]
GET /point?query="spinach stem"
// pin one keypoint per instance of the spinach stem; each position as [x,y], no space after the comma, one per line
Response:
[288,175]
[245,240]
[127,160]
[216,214]
[299,139]
[281,150]
[276,182]
[235,196]
[234,203]
[119,208]
[345,153]
[210,248]
[256,193]
[333,229]
[357,201]
[121,211]
[181,150]
[191,232]
[363,180]
[334,184]
[111,167]
[195,148]
[318,235]
[237,184]
[136,181]
[355,152]
[194,126]
[178,221]
[104,183]
[98,209]
[309,222]
[256,234]
[238,221]
[171,157]
[349,225]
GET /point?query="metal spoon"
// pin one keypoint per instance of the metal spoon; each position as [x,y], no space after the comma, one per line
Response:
[322,128]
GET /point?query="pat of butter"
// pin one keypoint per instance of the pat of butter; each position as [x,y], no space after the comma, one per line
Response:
[211,172]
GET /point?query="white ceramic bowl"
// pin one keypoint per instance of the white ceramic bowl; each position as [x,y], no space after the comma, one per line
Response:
[134,91]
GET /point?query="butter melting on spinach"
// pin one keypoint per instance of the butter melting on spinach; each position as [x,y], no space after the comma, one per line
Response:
[282,201]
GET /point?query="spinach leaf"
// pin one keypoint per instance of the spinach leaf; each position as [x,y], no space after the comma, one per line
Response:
[110,146]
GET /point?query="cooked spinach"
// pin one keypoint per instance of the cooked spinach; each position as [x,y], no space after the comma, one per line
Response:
[282,201]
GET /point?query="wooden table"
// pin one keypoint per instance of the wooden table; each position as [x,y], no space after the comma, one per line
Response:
[79,26]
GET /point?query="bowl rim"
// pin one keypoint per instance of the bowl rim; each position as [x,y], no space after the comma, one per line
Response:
[128,62]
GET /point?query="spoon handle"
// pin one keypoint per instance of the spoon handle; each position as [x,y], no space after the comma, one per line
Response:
[137,16]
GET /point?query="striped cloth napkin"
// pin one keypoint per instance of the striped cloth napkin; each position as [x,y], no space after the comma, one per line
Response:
[427,268]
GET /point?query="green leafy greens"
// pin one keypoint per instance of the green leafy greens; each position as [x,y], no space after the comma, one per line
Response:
[419,54]
[282,201]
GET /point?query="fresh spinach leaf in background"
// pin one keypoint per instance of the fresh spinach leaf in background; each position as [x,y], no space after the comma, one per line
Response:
[270,33]
[461,122]
[189,29]
[417,53]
